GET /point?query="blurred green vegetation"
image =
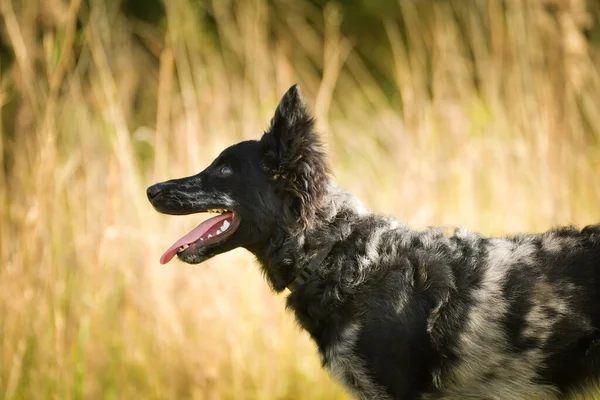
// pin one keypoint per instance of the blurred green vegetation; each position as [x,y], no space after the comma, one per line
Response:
[476,113]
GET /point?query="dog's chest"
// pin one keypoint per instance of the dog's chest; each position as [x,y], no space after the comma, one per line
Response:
[349,369]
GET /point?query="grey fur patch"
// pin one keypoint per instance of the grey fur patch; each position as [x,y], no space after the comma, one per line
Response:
[540,322]
[487,363]
[555,244]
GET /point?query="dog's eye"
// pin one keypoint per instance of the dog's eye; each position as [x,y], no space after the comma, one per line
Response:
[225,170]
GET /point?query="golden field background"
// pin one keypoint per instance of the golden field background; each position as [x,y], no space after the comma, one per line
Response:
[478,113]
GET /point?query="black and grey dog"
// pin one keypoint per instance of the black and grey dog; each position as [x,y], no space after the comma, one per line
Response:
[397,313]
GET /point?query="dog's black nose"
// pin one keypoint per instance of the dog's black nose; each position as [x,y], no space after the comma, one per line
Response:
[153,191]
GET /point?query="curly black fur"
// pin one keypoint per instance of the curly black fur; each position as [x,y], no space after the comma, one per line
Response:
[398,313]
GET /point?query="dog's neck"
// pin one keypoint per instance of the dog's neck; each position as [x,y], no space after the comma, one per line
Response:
[288,254]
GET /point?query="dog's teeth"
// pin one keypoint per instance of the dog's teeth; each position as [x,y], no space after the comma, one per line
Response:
[219,232]
[209,236]
[182,248]
[225,225]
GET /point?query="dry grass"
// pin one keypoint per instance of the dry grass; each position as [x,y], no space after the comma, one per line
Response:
[90,120]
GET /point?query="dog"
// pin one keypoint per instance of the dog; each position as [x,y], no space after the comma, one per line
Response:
[396,313]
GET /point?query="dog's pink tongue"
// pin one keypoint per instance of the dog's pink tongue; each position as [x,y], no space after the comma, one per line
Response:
[193,236]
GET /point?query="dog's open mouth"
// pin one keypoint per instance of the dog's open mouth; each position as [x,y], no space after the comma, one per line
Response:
[211,231]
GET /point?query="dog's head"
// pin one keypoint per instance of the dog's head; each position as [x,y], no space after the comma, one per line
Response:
[258,188]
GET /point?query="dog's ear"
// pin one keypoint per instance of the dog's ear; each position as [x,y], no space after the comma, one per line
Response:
[294,157]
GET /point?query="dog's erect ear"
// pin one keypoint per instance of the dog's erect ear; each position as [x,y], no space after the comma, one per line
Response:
[294,157]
